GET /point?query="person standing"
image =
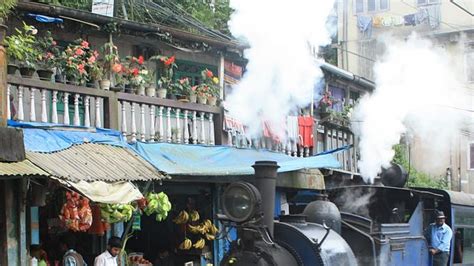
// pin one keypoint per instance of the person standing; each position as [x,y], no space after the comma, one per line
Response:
[109,257]
[439,237]
[71,257]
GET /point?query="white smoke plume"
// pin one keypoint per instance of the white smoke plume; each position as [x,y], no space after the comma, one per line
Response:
[418,92]
[281,72]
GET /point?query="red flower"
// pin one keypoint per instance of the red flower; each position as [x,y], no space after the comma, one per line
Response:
[96,54]
[183,80]
[91,60]
[49,55]
[117,68]
[209,73]
[193,88]
[85,44]
[135,72]
[141,60]
[81,68]
[79,51]
[53,43]
[170,61]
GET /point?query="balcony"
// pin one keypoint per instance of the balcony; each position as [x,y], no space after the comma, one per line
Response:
[139,118]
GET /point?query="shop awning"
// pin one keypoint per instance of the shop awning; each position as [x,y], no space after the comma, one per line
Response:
[99,191]
[23,168]
[95,162]
[219,160]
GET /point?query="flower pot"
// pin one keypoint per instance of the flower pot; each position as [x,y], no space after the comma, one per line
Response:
[12,69]
[161,93]
[27,72]
[59,78]
[140,90]
[172,96]
[202,99]
[128,89]
[151,91]
[105,84]
[45,74]
[193,98]
[212,100]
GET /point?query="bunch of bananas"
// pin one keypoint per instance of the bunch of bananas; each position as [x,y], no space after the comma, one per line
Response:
[182,217]
[194,215]
[199,244]
[186,244]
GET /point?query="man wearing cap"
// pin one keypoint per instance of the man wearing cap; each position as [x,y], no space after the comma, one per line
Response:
[439,237]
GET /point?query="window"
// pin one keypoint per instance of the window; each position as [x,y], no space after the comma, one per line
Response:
[471,157]
[468,59]
[426,2]
[339,95]
[370,5]
[359,6]
[192,71]
[362,6]
[464,236]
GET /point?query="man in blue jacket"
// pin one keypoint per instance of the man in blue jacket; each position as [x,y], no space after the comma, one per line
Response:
[439,237]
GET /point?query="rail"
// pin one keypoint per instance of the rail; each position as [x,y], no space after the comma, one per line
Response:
[139,118]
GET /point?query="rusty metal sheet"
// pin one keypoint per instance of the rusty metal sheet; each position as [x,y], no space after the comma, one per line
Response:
[95,162]
[23,168]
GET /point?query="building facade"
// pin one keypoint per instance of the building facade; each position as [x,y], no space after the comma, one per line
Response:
[449,25]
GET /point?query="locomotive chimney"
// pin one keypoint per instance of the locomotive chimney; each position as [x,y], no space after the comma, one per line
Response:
[265,181]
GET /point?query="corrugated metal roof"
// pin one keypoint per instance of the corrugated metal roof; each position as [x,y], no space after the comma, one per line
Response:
[93,162]
[20,169]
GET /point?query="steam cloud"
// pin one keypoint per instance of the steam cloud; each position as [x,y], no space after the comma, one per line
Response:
[417,93]
[281,72]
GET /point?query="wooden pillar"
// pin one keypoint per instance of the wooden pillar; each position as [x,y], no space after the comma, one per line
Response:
[3,85]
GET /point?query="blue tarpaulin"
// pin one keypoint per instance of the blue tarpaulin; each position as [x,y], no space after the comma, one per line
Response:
[174,159]
[220,160]
[45,19]
[44,137]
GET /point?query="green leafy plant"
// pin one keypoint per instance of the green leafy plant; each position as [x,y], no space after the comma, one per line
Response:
[49,52]
[209,85]
[79,61]
[417,178]
[181,87]
[166,67]
[5,8]
[137,72]
[21,46]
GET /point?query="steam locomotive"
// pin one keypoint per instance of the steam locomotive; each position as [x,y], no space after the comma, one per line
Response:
[352,225]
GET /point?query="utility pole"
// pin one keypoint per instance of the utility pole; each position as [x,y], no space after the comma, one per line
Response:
[3,77]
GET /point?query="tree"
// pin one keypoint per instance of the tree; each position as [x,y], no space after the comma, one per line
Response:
[416,178]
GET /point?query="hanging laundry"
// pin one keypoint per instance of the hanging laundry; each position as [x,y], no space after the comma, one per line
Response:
[398,21]
[268,133]
[410,20]
[365,25]
[433,16]
[377,21]
[421,16]
[292,133]
[305,124]
[387,21]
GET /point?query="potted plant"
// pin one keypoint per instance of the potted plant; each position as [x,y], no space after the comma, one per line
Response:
[137,74]
[209,84]
[108,68]
[150,86]
[48,56]
[202,93]
[167,66]
[181,88]
[193,94]
[325,104]
[21,51]
[5,9]
[79,59]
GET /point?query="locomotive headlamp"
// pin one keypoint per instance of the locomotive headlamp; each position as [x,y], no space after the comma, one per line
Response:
[241,202]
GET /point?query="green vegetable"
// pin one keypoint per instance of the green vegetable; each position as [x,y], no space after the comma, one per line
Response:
[158,203]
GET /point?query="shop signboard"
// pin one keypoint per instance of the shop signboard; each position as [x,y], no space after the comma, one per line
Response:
[103,7]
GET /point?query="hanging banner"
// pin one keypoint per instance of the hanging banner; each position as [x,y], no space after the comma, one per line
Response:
[103,7]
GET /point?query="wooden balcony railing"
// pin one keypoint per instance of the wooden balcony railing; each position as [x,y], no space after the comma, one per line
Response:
[140,118]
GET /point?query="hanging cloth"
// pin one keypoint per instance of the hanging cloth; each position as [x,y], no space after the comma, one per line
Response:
[410,20]
[292,133]
[377,21]
[305,125]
